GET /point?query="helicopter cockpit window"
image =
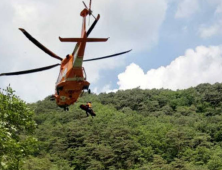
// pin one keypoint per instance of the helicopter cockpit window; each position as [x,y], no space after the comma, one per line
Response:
[84,73]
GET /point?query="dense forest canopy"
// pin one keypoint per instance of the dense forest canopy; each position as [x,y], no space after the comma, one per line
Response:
[133,129]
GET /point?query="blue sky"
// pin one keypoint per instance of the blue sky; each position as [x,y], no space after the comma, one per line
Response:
[176,43]
[176,35]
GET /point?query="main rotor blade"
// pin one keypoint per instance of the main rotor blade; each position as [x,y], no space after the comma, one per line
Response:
[29,71]
[109,56]
[93,25]
[90,2]
[38,44]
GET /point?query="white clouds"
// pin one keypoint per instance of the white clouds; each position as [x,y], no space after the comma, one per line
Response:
[187,8]
[105,89]
[139,21]
[94,69]
[219,8]
[131,24]
[132,77]
[207,32]
[204,65]
[25,13]
[218,4]
[215,27]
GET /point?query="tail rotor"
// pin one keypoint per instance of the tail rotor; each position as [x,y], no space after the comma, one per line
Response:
[89,9]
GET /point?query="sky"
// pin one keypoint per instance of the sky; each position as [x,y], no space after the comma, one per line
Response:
[176,43]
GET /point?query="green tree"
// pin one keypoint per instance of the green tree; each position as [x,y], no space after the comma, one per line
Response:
[16,126]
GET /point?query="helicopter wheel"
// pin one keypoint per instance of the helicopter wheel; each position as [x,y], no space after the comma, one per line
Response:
[66,109]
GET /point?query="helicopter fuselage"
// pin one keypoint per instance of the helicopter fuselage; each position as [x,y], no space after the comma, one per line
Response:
[70,84]
[72,78]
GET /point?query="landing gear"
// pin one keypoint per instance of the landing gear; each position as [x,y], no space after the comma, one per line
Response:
[52,98]
[66,109]
[87,88]
[89,91]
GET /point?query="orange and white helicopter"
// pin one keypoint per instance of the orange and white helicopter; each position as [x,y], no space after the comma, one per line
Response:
[71,81]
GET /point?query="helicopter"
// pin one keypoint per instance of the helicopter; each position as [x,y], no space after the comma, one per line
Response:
[71,82]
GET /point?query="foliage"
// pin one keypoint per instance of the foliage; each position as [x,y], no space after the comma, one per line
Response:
[133,129]
[16,125]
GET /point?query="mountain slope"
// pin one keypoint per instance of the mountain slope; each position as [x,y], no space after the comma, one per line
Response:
[133,129]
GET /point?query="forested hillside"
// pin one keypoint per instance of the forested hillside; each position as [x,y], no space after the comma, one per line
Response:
[133,129]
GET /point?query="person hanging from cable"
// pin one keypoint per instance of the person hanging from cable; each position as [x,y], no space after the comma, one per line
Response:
[89,109]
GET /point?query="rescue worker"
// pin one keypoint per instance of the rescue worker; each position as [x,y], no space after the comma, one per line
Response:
[89,108]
